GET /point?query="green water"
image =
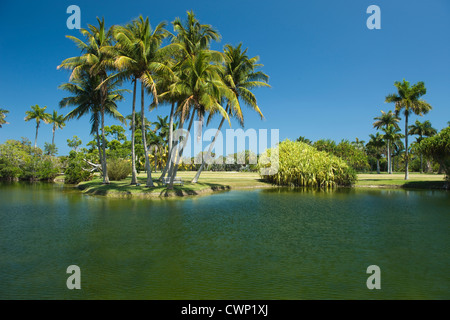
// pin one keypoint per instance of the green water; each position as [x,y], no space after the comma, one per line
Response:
[257,244]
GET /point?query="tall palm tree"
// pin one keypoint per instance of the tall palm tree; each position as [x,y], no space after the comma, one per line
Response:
[37,113]
[57,120]
[201,84]
[385,121]
[422,129]
[98,61]
[240,76]
[139,56]
[359,144]
[375,145]
[87,99]
[408,99]
[3,113]
[391,133]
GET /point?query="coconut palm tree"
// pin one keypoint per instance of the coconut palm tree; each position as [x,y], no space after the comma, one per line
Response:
[201,84]
[139,56]
[375,145]
[3,113]
[57,120]
[97,60]
[87,99]
[407,99]
[37,113]
[422,129]
[240,76]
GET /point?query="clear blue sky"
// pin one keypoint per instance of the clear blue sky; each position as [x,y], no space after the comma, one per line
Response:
[329,73]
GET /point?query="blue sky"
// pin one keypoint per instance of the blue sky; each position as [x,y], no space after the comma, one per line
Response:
[329,73]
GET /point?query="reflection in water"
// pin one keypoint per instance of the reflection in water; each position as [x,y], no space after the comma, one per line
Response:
[276,243]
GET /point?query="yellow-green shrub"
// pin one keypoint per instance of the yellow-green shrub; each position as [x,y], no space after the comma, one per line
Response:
[301,165]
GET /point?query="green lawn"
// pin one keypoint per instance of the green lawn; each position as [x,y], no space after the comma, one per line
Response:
[216,181]
[208,182]
[416,180]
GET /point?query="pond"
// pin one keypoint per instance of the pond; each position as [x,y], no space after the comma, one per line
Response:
[258,244]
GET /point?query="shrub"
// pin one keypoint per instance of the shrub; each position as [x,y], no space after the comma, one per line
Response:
[118,169]
[76,170]
[300,164]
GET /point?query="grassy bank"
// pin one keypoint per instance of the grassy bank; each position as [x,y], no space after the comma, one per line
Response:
[209,182]
[397,180]
[219,181]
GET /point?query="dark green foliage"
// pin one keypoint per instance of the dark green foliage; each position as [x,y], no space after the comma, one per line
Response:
[438,148]
[76,170]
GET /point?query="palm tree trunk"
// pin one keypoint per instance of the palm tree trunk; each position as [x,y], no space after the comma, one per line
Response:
[197,175]
[35,138]
[378,166]
[180,152]
[53,139]
[169,153]
[148,167]
[104,165]
[133,133]
[99,146]
[406,146]
[388,158]
[421,163]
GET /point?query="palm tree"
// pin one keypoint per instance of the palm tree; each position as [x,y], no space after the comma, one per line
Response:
[57,120]
[304,140]
[3,113]
[87,99]
[398,149]
[389,123]
[97,60]
[359,144]
[203,88]
[140,57]
[37,113]
[240,76]
[408,99]
[391,133]
[375,144]
[422,129]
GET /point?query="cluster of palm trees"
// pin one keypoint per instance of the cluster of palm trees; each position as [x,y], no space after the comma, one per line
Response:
[38,114]
[407,100]
[178,69]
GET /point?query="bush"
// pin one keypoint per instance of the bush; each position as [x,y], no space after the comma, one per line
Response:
[438,149]
[118,169]
[300,164]
[76,170]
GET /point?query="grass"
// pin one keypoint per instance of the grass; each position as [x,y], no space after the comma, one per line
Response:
[218,181]
[209,182]
[397,180]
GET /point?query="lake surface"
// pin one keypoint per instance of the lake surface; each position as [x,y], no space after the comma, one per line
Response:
[259,244]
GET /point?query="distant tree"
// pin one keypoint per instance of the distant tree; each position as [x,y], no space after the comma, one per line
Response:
[304,140]
[37,113]
[422,129]
[50,149]
[74,143]
[3,113]
[58,122]
[437,147]
[374,146]
[408,99]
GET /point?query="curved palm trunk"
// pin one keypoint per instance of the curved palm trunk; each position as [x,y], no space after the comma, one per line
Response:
[180,152]
[148,167]
[406,147]
[104,165]
[197,175]
[99,146]
[169,153]
[133,129]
